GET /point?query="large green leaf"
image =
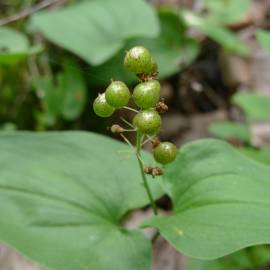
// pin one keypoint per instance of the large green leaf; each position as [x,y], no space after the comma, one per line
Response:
[14,46]
[171,49]
[96,30]
[256,107]
[215,31]
[264,39]
[221,201]
[63,196]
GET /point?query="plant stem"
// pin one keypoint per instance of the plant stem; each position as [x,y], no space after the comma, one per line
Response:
[130,109]
[145,183]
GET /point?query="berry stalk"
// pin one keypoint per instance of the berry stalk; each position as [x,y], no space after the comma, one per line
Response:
[147,121]
[141,165]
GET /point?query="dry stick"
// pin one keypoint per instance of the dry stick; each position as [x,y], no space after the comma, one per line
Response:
[29,11]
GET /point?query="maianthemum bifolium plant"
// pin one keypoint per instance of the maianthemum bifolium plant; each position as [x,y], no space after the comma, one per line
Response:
[147,121]
[64,196]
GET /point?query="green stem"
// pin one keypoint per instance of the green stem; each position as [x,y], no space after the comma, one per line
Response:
[130,109]
[145,182]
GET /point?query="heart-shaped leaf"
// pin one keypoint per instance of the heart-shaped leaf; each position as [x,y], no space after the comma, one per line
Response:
[63,196]
[221,201]
[96,30]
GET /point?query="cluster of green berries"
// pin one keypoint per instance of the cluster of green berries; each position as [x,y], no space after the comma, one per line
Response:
[146,96]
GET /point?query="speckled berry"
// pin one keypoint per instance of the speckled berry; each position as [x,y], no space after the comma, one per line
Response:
[146,94]
[147,122]
[165,153]
[101,107]
[139,60]
[117,94]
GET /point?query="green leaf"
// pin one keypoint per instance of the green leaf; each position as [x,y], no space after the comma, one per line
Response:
[63,199]
[229,130]
[221,200]
[96,30]
[74,88]
[14,46]
[52,97]
[256,107]
[172,50]
[227,11]
[264,39]
[64,95]
[217,32]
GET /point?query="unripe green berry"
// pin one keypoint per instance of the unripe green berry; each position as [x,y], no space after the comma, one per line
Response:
[165,152]
[117,94]
[101,107]
[146,94]
[139,60]
[147,122]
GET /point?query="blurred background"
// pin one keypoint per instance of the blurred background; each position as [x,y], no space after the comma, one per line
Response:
[214,63]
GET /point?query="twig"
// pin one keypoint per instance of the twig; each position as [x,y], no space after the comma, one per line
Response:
[29,11]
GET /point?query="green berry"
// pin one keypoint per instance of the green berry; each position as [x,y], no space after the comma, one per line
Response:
[147,122]
[117,94]
[139,60]
[101,107]
[146,94]
[165,152]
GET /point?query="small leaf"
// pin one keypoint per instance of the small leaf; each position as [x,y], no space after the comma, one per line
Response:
[256,107]
[229,130]
[14,46]
[221,200]
[63,199]
[64,95]
[227,11]
[217,32]
[264,39]
[96,30]
[52,97]
[74,89]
